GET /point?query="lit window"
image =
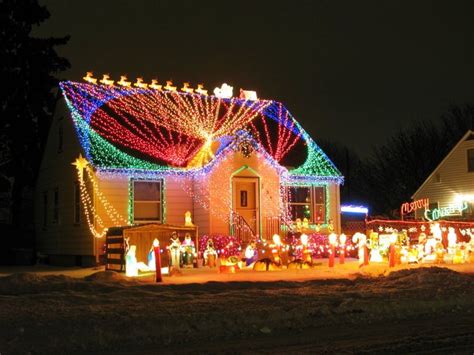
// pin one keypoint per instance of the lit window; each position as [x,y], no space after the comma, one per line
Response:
[470,160]
[299,202]
[307,202]
[319,204]
[147,201]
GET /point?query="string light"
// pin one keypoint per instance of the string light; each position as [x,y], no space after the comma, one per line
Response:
[141,132]
[168,129]
[90,211]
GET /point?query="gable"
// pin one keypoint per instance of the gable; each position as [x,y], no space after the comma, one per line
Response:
[452,170]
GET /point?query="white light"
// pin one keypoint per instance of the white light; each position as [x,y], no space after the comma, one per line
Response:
[224,92]
[354,209]
[459,198]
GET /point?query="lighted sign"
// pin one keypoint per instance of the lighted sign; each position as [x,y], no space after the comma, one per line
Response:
[437,213]
[409,207]
[355,209]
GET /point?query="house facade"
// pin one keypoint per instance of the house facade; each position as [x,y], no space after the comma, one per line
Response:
[450,187]
[118,155]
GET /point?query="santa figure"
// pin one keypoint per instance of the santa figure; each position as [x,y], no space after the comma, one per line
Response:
[188,251]
[361,240]
[175,251]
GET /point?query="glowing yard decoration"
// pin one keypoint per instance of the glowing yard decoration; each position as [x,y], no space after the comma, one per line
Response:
[224,92]
[332,244]
[342,248]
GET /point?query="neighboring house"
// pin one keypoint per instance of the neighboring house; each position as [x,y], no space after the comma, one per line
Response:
[450,187]
[151,155]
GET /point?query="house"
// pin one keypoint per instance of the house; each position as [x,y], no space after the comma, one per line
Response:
[450,187]
[124,155]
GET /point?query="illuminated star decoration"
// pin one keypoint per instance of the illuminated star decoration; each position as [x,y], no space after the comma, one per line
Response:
[80,163]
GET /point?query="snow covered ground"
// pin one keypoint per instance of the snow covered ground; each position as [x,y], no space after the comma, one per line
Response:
[319,311]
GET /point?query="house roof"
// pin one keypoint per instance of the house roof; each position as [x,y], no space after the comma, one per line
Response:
[134,129]
[465,137]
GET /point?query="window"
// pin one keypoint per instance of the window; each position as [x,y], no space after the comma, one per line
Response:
[45,209]
[470,160]
[307,202]
[147,201]
[77,203]
[437,177]
[433,205]
[469,212]
[299,202]
[56,206]
[319,204]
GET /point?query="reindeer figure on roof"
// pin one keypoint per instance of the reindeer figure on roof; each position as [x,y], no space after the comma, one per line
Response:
[89,78]
[105,80]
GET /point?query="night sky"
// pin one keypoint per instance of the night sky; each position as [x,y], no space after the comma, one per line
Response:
[349,71]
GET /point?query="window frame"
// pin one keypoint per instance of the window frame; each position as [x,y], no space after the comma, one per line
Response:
[312,203]
[470,160]
[161,220]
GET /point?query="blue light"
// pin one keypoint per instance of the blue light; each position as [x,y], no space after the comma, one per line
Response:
[354,209]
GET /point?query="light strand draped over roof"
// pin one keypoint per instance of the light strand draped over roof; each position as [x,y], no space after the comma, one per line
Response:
[150,130]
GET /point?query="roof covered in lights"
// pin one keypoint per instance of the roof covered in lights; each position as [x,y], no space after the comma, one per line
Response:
[143,129]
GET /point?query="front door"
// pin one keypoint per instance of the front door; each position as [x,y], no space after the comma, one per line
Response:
[246,200]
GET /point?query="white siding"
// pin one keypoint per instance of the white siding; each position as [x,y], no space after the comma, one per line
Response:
[454,179]
[178,199]
[56,171]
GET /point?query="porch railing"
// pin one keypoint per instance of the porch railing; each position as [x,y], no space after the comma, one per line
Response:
[241,229]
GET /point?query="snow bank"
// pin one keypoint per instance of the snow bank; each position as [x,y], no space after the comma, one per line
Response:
[104,312]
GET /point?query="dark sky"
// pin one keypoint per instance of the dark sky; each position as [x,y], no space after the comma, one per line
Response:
[351,71]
